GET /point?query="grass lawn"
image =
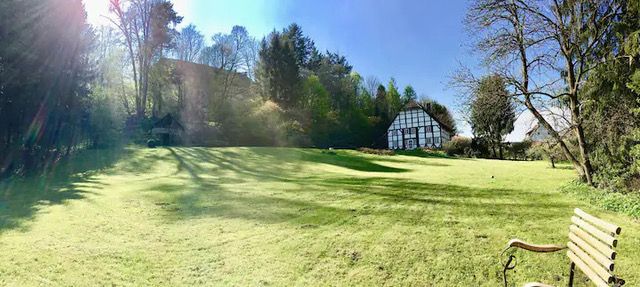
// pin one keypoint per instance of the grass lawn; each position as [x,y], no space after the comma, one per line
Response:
[283,217]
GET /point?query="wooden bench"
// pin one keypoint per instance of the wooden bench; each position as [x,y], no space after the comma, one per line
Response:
[591,248]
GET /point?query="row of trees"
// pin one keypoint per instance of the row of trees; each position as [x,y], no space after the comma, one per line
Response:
[45,72]
[575,56]
[65,85]
[326,102]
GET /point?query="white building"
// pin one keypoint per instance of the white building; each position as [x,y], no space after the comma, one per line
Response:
[414,127]
[538,134]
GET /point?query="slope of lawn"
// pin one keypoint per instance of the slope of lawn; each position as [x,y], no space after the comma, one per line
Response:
[283,217]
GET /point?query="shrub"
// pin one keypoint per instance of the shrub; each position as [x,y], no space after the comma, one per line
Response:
[104,121]
[458,145]
[376,151]
[628,203]
[519,150]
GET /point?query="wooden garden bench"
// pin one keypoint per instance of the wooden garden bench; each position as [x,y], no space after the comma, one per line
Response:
[591,248]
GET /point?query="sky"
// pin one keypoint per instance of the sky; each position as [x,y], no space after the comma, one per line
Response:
[417,42]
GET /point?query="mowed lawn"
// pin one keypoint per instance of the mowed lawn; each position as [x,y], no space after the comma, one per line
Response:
[288,217]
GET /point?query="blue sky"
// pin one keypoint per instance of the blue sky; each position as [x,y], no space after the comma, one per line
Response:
[418,42]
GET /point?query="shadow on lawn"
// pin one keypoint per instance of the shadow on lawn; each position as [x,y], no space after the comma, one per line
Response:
[275,192]
[21,198]
[271,163]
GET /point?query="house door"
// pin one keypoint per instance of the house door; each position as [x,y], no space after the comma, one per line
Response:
[410,144]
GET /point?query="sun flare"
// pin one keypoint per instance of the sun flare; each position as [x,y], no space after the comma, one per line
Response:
[96,11]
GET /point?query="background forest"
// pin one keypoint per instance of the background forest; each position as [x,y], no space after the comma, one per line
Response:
[66,86]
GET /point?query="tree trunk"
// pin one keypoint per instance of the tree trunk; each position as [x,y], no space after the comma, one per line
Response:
[582,143]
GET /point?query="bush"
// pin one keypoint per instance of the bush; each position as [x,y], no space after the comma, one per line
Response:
[376,151]
[104,121]
[458,145]
[519,150]
[628,203]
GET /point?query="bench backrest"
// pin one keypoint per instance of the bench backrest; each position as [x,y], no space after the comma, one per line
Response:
[592,243]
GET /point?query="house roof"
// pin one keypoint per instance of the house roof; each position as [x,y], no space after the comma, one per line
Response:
[415,105]
[190,67]
[562,132]
[533,129]
[168,122]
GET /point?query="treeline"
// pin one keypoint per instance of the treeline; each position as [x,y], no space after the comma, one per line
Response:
[576,61]
[45,75]
[66,85]
[298,96]
[325,102]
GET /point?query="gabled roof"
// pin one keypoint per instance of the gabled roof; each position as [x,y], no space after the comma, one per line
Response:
[533,129]
[411,105]
[168,122]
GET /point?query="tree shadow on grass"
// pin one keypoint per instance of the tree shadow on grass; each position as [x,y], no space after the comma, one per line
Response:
[69,179]
[278,194]
[346,160]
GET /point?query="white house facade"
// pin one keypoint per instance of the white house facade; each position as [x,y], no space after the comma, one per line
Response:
[538,134]
[414,127]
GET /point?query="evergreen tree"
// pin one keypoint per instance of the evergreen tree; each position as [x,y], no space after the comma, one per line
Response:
[441,112]
[492,112]
[409,95]
[279,73]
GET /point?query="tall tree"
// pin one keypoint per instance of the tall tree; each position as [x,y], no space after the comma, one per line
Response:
[233,53]
[44,77]
[371,84]
[545,50]
[279,74]
[393,98]
[189,44]
[382,104]
[148,27]
[611,105]
[409,95]
[302,45]
[492,112]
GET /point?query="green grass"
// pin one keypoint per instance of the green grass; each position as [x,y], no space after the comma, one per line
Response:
[283,217]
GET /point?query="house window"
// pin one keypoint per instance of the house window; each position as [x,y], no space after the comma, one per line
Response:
[409,131]
[428,140]
[429,129]
[437,140]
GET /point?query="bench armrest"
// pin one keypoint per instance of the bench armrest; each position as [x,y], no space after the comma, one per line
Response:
[534,247]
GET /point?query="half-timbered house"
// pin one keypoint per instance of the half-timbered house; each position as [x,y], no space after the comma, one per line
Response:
[414,127]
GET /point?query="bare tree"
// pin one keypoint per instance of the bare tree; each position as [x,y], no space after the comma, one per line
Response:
[371,84]
[189,44]
[145,27]
[545,50]
[233,53]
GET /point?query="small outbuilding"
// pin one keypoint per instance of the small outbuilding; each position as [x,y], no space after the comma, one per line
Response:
[168,130]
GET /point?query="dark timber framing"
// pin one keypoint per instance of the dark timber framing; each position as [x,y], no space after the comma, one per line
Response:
[414,123]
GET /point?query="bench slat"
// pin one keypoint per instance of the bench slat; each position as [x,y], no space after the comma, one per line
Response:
[611,228]
[592,264]
[606,238]
[597,244]
[585,269]
[593,253]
